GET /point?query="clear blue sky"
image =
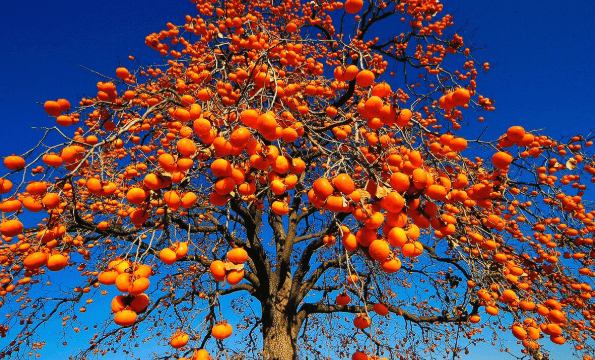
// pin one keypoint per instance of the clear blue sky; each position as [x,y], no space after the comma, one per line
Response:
[541,56]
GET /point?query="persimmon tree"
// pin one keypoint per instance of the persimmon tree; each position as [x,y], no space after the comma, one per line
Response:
[306,163]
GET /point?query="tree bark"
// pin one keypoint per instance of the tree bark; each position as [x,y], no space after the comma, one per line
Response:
[280,341]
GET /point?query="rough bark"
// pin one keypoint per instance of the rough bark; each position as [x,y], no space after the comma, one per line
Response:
[279,320]
[280,343]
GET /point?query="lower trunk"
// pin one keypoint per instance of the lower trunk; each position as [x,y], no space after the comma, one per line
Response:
[280,343]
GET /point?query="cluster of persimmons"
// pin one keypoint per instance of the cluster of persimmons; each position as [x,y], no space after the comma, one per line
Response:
[288,111]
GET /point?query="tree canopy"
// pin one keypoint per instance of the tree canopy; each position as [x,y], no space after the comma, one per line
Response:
[293,177]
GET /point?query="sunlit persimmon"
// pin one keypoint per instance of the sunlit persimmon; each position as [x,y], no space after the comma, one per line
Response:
[222,331]
[318,159]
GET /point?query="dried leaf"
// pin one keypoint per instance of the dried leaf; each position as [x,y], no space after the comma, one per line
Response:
[571,164]
[206,152]
[364,194]
[231,266]
[381,191]
[345,203]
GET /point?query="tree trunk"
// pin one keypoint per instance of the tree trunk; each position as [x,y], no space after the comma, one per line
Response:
[280,342]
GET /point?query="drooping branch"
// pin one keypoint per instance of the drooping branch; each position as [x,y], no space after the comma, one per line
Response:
[310,308]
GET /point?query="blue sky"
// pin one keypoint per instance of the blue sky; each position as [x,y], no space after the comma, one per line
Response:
[541,74]
[541,56]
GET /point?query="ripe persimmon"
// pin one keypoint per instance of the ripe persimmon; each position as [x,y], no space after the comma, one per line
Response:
[350,73]
[353,6]
[365,78]
[125,318]
[222,330]
[14,163]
